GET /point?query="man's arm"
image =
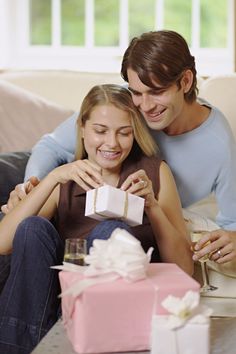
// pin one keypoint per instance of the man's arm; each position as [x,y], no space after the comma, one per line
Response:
[53,149]
[222,246]
[225,188]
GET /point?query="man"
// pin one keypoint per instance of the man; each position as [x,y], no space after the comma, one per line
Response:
[193,136]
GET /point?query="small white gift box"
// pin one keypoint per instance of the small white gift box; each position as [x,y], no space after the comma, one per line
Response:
[109,202]
[185,330]
[191,338]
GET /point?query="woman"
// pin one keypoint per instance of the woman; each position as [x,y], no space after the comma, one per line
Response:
[114,147]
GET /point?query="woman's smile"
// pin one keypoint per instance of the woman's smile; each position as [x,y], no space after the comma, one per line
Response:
[109,155]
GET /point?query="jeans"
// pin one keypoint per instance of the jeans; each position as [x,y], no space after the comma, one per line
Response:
[5,262]
[104,229]
[29,304]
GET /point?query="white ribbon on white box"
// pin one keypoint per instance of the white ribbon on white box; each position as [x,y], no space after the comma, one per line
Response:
[108,202]
[185,330]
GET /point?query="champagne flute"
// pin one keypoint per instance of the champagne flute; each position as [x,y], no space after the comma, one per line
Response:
[75,251]
[195,237]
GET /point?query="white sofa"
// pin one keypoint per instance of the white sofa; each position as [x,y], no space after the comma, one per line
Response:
[42,99]
[35,102]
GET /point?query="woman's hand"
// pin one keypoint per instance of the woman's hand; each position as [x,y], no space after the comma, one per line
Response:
[139,184]
[85,173]
[222,246]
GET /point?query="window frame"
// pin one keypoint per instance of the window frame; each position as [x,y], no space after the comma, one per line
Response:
[19,54]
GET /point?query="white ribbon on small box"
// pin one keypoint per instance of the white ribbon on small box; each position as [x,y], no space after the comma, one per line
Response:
[186,309]
[182,311]
[120,256]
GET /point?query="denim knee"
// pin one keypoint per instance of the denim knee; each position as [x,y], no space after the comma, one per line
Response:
[36,234]
[104,229]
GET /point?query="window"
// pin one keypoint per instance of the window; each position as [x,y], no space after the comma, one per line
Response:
[92,35]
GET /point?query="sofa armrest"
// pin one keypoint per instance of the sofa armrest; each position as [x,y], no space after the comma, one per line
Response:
[12,170]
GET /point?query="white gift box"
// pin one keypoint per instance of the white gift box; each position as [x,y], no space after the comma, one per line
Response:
[108,202]
[191,338]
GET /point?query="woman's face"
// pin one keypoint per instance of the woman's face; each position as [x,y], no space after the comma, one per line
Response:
[108,136]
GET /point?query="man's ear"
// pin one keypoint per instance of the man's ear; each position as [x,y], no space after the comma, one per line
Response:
[187,80]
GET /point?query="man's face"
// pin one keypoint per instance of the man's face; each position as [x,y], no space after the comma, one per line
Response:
[159,106]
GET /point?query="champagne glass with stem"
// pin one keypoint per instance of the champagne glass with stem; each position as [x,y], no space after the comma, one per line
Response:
[196,235]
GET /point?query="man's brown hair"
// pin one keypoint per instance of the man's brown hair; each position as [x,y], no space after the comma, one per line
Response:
[160,57]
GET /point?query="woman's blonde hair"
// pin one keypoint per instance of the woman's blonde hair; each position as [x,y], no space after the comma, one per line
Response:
[120,97]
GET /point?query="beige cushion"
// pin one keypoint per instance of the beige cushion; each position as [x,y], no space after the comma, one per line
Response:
[25,117]
[64,87]
[220,91]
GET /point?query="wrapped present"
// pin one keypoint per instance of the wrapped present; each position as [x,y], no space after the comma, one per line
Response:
[185,330]
[108,305]
[109,202]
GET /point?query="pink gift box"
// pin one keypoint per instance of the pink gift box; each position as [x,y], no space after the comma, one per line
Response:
[191,338]
[116,316]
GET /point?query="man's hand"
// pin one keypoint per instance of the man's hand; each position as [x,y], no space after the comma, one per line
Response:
[20,191]
[222,246]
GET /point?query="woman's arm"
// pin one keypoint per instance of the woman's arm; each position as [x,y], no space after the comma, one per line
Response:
[28,206]
[43,199]
[165,215]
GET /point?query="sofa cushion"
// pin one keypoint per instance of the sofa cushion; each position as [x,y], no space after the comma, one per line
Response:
[25,117]
[12,170]
[220,92]
[64,87]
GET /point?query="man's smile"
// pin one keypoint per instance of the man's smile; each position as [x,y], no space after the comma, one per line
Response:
[154,116]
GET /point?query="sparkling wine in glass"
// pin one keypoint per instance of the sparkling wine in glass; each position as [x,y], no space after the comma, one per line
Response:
[195,237]
[75,251]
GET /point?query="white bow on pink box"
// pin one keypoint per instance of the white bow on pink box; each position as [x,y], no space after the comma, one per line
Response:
[120,256]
